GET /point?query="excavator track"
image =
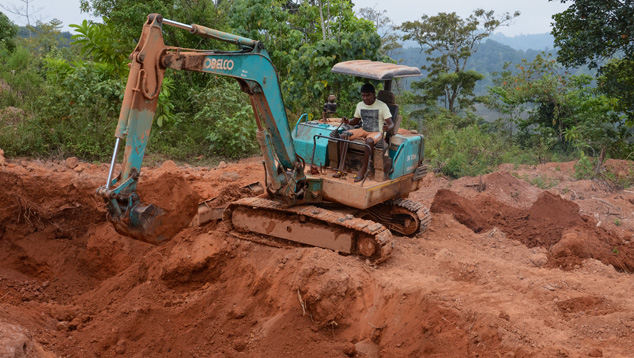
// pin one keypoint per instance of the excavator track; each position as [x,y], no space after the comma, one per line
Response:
[311,225]
[401,215]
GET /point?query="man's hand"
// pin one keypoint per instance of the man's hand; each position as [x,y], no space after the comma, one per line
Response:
[388,125]
[345,120]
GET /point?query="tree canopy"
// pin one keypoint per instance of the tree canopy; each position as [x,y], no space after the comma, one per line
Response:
[449,41]
[600,33]
[8,31]
[591,31]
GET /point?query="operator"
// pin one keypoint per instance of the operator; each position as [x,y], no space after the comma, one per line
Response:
[376,119]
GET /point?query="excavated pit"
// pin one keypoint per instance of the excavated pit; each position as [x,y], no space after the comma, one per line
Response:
[71,286]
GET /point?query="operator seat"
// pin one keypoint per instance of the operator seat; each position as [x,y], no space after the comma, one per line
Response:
[382,164]
[390,99]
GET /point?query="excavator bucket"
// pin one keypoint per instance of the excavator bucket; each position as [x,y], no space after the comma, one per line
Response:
[173,205]
[142,222]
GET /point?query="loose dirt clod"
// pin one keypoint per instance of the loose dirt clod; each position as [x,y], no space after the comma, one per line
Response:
[172,193]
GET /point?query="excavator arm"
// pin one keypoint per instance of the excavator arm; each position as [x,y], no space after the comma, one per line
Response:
[254,71]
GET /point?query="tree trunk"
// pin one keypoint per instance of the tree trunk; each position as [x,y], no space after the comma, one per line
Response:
[597,168]
[321,18]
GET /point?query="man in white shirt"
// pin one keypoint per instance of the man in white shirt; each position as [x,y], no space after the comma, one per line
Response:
[375,118]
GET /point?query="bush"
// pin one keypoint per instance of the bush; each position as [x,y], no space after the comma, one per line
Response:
[227,118]
[471,150]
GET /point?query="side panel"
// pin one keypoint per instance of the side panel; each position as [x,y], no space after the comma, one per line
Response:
[303,135]
[363,197]
[405,151]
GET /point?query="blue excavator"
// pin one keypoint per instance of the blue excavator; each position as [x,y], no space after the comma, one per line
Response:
[303,202]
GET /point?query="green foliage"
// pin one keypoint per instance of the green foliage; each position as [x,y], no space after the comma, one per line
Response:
[584,168]
[267,21]
[311,80]
[593,32]
[617,82]
[341,36]
[228,118]
[449,41]
[465,151]
[234,136]
[45,38]
[80,109]
[547,104]
[21,72]
[541,181]
[165,108]
[98,42]
[127,16]
[8,32]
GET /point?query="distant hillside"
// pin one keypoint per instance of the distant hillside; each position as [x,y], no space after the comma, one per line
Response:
[65,37]
[489,58]
[540,42]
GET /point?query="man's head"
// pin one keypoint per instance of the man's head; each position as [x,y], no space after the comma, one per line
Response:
[368,94]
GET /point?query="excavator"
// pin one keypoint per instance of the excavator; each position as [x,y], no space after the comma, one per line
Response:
[303,202]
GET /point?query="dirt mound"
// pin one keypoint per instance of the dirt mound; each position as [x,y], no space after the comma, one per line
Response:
[542,224]
[510,190]
[551,222]
[462,209]
[231,193]
[177,201]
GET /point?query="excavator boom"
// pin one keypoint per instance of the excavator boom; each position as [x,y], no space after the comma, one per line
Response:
[255,73]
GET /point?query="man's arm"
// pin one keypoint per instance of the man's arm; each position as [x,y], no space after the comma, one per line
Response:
[353,121]
[356,117]
[388,125]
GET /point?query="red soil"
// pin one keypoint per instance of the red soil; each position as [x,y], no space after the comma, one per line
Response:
[551,222]
[70,286]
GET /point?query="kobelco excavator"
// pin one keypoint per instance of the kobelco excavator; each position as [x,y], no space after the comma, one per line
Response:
[303,203]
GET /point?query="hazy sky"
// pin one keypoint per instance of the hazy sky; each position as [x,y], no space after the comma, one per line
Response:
[535,17]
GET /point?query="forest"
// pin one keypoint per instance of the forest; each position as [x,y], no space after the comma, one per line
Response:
[479,103]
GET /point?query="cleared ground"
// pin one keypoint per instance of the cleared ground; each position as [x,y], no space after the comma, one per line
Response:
[508,271]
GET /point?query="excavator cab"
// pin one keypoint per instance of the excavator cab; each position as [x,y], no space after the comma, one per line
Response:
[405,149]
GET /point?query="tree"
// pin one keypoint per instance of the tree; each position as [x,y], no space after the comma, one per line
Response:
[305,39]
[600,33]
[309,80]
[47,37]
[26,11]
[591,31]
[565,110]
[97,41]
[449,41]
[385,28]
[8,31]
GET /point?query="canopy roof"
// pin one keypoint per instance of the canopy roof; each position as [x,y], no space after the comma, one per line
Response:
[375,70]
